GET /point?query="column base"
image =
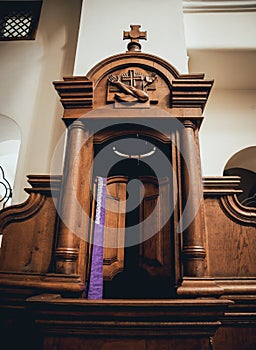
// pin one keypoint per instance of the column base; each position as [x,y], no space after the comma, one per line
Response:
[199,287]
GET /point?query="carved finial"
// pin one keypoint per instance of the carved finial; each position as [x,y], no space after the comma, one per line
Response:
[134,34]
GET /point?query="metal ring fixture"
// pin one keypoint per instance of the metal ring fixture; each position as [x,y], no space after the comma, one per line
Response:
[134,156]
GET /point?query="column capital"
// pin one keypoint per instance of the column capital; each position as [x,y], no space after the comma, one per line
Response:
[189,124]
[77,124]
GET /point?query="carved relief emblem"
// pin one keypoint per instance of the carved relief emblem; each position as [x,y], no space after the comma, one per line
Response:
[130,86]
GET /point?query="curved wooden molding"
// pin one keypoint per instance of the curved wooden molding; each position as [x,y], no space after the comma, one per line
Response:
[111,269]
[139,59]
[42,186]
[22,211]
[238,212]
[107,135]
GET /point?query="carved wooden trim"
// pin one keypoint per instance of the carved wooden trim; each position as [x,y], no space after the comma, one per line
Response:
[238,212]
[67,254]
[45,184]
[190,93]
[75,92]
[193,253]
[111,269]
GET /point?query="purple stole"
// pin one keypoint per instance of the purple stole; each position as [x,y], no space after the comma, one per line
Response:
[95,288]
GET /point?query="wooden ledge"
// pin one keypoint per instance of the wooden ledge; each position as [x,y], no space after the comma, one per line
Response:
[127,317]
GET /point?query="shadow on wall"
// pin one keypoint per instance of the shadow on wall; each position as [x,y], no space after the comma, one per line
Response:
[243,164]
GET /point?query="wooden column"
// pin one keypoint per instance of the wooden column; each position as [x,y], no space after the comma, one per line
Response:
[75,198]
[193,252]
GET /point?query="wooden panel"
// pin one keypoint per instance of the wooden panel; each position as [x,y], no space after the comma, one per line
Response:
[31,246]
[235,338]
[114,233]
[155,251]
[147,267]
[232,245]
[75,343]
[27,242]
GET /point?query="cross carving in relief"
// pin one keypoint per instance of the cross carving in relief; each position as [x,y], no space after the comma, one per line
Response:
[131,77]
[134,35]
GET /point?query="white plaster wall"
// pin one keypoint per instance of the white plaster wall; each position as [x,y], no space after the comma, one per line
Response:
[103,22]
[231,30]
[229,126]
[223,46]
[27,70]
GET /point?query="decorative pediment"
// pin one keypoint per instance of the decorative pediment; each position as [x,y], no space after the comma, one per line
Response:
[134,80]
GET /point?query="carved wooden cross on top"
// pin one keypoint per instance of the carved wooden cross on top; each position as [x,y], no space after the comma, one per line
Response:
[134,34]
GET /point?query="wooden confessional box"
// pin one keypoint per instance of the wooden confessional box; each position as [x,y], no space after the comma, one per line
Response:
[179,252]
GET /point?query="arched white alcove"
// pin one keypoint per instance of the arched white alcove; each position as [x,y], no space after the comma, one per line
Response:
[10,140]
[243,164]
[245,158]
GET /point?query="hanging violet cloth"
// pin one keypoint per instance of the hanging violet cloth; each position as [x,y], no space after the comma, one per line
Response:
[95,290]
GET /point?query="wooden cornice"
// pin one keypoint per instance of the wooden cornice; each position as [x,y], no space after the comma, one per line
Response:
[125,317]
[221,185]
[44,184]
[75,92]
[190,93]
[118,131]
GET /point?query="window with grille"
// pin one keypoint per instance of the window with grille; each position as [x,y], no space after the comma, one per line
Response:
[19,19]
